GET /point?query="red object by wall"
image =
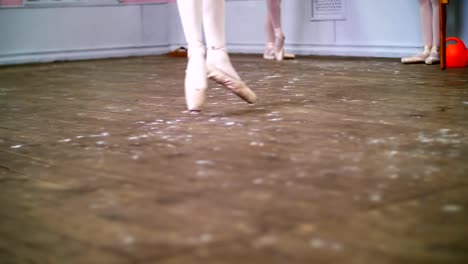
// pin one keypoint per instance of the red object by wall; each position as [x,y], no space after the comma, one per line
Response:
[456,54]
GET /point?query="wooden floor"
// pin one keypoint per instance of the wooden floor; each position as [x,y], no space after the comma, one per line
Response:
[341,161]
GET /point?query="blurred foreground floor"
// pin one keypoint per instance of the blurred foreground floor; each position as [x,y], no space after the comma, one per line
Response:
[341,161]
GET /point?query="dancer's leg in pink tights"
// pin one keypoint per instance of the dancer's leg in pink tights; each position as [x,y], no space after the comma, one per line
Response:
[429,12]
[274,48]
[208,14]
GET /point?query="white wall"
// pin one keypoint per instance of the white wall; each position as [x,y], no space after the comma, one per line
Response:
[67,33]
[457,21]
[379,28]
[376,28]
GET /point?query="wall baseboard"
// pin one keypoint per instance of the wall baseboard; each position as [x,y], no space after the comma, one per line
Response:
[333,50]
[82,54]
[158,49]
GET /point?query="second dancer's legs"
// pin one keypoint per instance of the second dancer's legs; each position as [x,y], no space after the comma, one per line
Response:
[274,17]
[274,46]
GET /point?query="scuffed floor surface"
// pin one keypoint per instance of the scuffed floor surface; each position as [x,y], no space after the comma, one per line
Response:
[341,161]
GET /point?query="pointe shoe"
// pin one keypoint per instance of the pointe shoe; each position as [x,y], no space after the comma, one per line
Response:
[237,86]
[220,70]
[279,47]
[269,53]
[434,56]
[196,81]
[418,58]
[289,56]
